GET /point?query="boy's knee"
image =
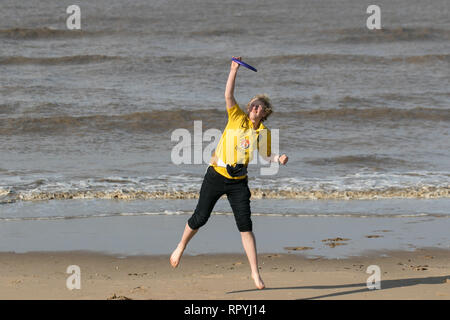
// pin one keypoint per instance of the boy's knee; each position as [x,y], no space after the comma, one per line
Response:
[244,225]
[196,222]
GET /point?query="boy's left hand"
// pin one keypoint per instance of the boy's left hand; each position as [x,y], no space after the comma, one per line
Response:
[283,159]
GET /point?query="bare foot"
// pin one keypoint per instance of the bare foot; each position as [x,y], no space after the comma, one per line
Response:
[258,282]
[176,256]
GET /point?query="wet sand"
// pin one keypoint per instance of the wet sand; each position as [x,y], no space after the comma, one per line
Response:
[159,234]
[419,274]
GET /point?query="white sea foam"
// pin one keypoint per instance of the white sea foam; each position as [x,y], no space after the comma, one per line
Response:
[4,192]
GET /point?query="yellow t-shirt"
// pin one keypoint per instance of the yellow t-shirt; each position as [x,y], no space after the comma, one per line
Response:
[238,142]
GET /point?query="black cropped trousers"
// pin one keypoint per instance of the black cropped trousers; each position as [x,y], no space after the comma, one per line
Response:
[213,187]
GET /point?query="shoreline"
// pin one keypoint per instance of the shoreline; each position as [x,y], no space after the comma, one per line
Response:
[420,274]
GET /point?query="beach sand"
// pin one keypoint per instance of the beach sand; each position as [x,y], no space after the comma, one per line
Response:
[419,274]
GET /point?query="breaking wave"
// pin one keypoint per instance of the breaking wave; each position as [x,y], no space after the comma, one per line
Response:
[46,33]
[163,120]
[80,59]
[218,213]
[425,192]
[153,121]
[349,58]
[363,35]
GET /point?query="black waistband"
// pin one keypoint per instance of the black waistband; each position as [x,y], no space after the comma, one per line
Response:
[211,171]
[237,171]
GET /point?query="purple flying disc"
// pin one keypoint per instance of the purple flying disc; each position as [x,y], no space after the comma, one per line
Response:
[242,63]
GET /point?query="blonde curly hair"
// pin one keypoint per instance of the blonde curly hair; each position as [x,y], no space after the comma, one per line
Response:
[264,98]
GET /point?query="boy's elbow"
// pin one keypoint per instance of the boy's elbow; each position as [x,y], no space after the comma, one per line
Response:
[229,98]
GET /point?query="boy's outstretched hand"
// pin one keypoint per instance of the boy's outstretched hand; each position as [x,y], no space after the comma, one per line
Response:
[283,159]
[235,65]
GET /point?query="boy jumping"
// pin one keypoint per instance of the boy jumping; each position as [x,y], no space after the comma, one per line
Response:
[227,172]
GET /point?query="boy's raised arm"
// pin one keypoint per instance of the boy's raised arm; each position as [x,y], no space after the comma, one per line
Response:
[229,90]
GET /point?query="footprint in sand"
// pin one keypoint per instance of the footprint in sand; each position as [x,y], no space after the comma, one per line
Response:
[17,282]
[139,289]
[420,268]
[115,297]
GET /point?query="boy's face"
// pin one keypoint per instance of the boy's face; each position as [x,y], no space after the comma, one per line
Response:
[256,111]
